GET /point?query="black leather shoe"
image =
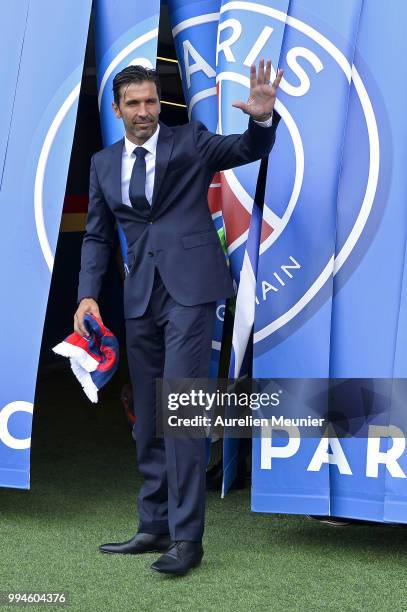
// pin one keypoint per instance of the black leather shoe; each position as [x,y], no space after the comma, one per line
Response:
[179,558]
[140,543]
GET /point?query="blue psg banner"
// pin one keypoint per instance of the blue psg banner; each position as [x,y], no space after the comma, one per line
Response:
[125,34]
[315,88]
[244,36]
[195,30]
[375,336]
[331,290]
[44,43]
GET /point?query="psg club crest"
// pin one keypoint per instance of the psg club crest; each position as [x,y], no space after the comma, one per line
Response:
[324,170]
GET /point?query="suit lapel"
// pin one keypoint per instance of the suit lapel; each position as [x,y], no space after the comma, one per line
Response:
[164,148]
[117,153]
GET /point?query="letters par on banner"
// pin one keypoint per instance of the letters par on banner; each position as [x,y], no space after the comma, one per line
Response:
[374,456]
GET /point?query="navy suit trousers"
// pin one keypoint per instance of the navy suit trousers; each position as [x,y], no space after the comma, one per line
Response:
[168,341]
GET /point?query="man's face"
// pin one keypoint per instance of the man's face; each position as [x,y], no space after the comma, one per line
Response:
[139,107]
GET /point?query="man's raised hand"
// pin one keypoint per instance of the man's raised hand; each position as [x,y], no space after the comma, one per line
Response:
[262,95]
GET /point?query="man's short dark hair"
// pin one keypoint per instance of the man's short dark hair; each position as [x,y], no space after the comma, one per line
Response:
[134,74]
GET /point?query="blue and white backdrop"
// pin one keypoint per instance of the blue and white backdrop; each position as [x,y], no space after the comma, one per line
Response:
[331,283]
[40,82]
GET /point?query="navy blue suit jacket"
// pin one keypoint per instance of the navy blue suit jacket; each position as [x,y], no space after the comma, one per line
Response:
[176,234]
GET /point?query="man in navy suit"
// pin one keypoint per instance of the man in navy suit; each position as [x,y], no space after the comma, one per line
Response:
[154,182]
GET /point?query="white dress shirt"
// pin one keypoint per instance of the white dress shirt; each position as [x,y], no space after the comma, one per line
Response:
[128,159]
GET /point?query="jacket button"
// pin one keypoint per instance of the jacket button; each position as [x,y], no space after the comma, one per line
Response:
[150,253]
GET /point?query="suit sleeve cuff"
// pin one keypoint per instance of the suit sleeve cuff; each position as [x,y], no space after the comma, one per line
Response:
[265,124]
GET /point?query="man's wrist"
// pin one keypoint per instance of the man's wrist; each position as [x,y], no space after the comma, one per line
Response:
[266,123]
[262,118]
[86,297]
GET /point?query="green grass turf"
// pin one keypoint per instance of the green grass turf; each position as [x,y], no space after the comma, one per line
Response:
[83,492]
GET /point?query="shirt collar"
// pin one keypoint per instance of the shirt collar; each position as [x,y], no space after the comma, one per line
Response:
[150,144]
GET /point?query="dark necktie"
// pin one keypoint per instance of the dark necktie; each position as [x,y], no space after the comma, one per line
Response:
[137,187]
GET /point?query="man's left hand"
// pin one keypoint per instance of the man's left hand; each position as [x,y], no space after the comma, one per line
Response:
[262,95]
